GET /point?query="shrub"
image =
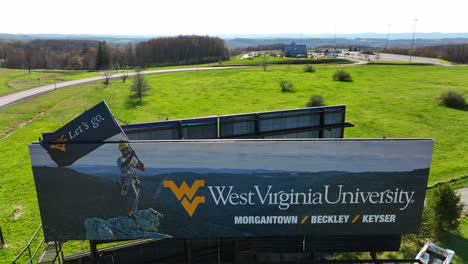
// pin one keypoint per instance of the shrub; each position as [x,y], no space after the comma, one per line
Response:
[452,98]
[428,222]
[446,206]
[342,76]
[316,100]
[264,64]
[286,86]
[309,68]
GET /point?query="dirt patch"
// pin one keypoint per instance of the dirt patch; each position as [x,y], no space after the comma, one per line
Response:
[19,84]
[51,76]
[19,209]
[22,124]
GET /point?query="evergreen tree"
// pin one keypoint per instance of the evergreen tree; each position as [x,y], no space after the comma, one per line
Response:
[107,51]
[103,57]
[100,57]
[447,207]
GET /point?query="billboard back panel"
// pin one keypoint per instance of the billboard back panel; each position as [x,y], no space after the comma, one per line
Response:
[235,188]
[272,124]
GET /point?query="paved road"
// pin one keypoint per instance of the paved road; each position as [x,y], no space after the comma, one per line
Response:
[464,197]
[396,57]
[14,98]
[354,60]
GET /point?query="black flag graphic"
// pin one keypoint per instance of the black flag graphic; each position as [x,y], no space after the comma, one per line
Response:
[93,127]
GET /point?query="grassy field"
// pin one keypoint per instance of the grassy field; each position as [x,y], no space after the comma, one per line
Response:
[256,61]
[382,101]
[16,80]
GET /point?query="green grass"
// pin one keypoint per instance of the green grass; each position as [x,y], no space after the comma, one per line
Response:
[447,62]
[382,101]
[16,80]
[280,60]
[397,62]
[256,61]
[455,240]
[458,241]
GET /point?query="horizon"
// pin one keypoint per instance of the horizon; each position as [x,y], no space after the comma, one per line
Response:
[259,36]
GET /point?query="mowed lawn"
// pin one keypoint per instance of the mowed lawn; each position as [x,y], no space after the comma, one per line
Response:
[16,80]
[382,101]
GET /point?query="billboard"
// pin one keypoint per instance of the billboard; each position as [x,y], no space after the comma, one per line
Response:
[234,188]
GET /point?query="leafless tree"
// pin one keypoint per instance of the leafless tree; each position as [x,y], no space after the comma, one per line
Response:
[139,87]
[107,76]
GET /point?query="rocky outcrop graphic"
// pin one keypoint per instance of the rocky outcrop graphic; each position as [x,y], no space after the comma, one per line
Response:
[143,224]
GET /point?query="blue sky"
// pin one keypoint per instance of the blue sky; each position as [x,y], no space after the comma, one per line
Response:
[157,17]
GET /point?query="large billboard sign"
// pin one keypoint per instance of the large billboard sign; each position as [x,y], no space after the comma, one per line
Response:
[234,188]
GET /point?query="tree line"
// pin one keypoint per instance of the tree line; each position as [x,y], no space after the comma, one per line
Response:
[454,53]
[95,55]
[181,50]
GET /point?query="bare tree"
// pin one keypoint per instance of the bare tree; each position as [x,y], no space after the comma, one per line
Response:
[377,57]
[107,76]
[28,56]
[139,87]
[124,76]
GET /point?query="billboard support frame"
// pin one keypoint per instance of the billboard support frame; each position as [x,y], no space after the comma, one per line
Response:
[320,128]
[322,122]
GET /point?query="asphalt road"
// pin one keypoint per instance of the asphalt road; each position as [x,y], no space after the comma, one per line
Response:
[396,57]
[464,198]
[14,98]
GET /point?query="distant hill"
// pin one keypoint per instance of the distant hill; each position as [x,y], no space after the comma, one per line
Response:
[345,42]
[235,41]
[114,40]
[432,35]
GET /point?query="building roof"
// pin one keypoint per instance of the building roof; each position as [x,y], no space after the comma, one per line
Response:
[295,49]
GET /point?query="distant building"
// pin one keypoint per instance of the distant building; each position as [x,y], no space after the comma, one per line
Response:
[295,50]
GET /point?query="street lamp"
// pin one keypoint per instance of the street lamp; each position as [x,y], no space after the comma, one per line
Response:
[334,39]
[412,41]
[388,34]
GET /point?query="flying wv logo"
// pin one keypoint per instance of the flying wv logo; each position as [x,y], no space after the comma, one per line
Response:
[186,194]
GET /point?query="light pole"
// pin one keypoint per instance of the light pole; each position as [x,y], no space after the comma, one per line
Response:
[412,41]
[388,34]
[334,38]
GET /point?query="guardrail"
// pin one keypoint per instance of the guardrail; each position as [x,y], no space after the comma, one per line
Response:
[27,248]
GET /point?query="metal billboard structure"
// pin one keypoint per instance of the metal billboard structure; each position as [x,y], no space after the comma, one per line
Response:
[314,122]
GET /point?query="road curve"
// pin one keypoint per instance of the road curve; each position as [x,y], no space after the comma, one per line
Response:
[14,98]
